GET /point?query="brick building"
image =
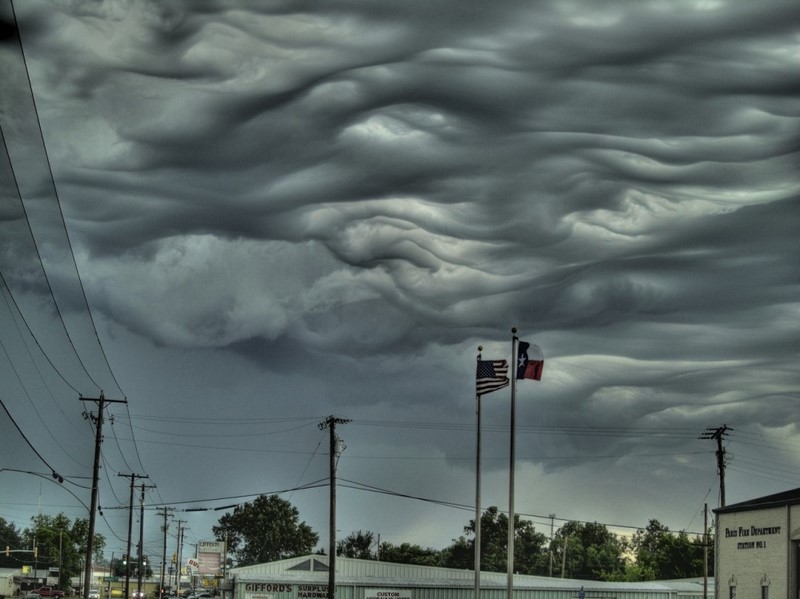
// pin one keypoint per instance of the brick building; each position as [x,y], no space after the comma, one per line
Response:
[757,548]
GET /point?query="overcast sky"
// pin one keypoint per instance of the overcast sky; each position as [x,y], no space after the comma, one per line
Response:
[284,210]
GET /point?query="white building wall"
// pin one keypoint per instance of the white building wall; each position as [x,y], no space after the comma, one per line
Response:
[363,579]
[754,551]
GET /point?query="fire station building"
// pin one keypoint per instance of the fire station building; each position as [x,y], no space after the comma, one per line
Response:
[757,548]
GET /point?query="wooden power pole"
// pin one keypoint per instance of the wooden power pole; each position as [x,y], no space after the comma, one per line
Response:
[335,449]
[718,434]
[98,440]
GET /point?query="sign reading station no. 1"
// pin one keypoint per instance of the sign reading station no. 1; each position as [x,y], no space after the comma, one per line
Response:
[387,593]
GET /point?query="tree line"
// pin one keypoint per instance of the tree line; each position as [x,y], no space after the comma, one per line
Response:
[269,528]
[51,542]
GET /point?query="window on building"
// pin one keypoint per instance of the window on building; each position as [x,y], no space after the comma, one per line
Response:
[765,592]
[732,593]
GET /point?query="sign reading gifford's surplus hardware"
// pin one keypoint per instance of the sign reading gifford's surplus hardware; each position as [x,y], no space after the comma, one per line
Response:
[264,590]
[753,531]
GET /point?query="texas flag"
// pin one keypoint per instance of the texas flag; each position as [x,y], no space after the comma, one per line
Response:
[530,361]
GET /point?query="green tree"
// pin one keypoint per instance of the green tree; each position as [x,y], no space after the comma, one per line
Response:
[406,553]
[593,552]
[9,537]
[664,555]
[357,545]
[633,572]
[265,530]
[530,554]
[61,543]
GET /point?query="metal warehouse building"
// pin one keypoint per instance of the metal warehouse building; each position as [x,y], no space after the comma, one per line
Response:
[307,578]
[757,547]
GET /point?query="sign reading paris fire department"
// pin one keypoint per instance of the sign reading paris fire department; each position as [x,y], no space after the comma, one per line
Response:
[387,593]
[751,537]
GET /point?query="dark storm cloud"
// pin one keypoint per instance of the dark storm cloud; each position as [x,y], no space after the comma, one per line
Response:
[439,159]
[448,169]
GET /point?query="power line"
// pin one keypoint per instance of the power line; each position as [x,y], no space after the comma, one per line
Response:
[55,477]
[311,485]
[39,260]
[28,328]
[41,146]
[51,179]
[371,488]
[55,474]
[33,405]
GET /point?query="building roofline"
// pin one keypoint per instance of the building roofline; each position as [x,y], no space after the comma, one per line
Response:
[785,498]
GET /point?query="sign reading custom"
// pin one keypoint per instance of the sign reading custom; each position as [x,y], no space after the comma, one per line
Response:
[387,593]
[753,531]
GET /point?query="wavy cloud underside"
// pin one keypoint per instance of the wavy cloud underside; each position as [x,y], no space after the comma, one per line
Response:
[382,187]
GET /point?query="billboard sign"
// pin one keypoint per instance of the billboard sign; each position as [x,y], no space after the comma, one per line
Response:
[210,557]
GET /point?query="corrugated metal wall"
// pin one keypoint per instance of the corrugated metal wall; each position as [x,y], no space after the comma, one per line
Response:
[354,577]
[350,591]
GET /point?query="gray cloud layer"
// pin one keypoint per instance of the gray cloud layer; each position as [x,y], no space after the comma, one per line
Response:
[374,185]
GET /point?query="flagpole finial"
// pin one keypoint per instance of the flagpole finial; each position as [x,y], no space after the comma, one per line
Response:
[514,330]
[480,348]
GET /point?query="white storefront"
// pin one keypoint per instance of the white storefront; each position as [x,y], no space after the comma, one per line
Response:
[306,577]
[757,548]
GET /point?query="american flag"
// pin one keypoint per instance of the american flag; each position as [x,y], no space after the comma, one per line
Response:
[491,376]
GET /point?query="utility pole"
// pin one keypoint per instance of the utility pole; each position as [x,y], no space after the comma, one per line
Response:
[705,551]
[165,527]
[225,557]
[336,448]
[552,518]
[181,530]
[718,434]
[60,558]
[140,558]
[98,439]
[127,560]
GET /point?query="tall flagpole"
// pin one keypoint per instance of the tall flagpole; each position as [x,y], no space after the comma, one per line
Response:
[510,557]
[478,496]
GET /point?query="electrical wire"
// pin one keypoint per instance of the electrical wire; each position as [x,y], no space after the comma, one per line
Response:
[33,405]
[471,508]
[14,422]
[310,459]
[236,434]
[311,485]
[52,479]
[121,453]
[63,222]
[40,261]
[28,328]
[56,196]
[133,438]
